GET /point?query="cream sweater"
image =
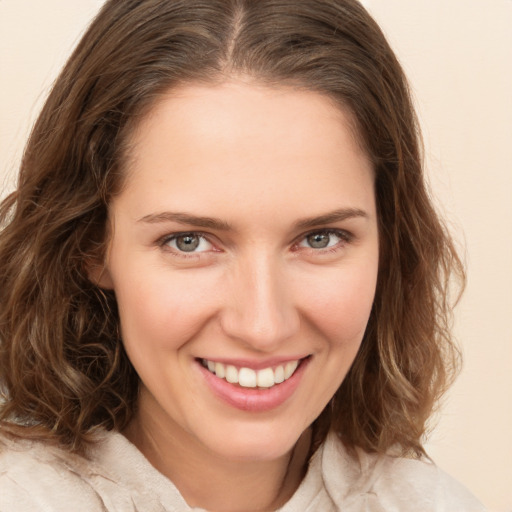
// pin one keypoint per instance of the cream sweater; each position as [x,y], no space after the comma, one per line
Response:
[117,478]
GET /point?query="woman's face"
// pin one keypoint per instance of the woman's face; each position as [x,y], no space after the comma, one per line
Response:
[244,257]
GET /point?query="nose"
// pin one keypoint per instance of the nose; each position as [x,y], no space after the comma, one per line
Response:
[260,311]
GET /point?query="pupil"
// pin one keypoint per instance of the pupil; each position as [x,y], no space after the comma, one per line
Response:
[187,243]
[318,240]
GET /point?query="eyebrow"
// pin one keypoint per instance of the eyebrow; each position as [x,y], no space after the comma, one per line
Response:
[328,218]
[188,219]
[220,225]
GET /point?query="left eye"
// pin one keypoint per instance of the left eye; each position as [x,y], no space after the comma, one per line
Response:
[321,240]
[189,242]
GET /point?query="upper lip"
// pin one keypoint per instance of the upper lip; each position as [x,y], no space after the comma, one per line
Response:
[256,364]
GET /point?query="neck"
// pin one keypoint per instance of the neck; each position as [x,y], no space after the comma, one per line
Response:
[209,481]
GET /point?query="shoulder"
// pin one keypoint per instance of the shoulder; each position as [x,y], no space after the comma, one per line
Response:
[34,476]
[386,482]
[38,476]
[112,477]
[412,481]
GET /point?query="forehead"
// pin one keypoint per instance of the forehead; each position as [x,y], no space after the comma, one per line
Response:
[242,141]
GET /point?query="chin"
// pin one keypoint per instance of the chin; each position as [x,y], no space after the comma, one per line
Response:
[255,443]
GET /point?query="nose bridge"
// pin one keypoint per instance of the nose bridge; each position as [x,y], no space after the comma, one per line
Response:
[260,310]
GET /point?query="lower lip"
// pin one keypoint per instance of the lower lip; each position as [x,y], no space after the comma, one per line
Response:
[254,399]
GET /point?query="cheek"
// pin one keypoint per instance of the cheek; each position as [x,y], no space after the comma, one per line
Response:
[161,313]
[340,305]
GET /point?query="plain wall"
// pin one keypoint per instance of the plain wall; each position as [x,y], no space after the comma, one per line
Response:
[458,55]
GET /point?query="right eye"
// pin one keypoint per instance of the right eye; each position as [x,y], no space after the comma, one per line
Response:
[188,243]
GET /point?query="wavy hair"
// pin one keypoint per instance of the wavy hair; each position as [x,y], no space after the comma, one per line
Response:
[64,372]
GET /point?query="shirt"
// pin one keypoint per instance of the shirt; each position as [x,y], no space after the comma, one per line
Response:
[116,477]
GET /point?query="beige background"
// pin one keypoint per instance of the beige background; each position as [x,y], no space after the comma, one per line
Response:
[458,54]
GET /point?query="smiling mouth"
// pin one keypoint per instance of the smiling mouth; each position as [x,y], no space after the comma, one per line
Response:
[265,378]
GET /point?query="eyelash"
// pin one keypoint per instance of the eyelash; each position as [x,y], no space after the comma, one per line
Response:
[345,238]
[165,240]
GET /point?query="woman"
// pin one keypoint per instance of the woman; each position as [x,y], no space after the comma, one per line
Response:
[233,294]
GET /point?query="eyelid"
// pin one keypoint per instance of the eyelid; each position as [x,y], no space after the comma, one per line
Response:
[344,235]
[163,242]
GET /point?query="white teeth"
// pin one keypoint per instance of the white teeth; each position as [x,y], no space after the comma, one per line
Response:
[231,374]
[249,378]
[218,369]
[265,378]
[279,375]
[290,368]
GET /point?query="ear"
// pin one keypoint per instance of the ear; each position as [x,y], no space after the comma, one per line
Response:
[98,274]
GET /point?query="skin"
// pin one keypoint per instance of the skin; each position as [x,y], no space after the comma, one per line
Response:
[260,161]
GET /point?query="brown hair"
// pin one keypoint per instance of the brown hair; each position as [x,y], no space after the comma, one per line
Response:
[63,367]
